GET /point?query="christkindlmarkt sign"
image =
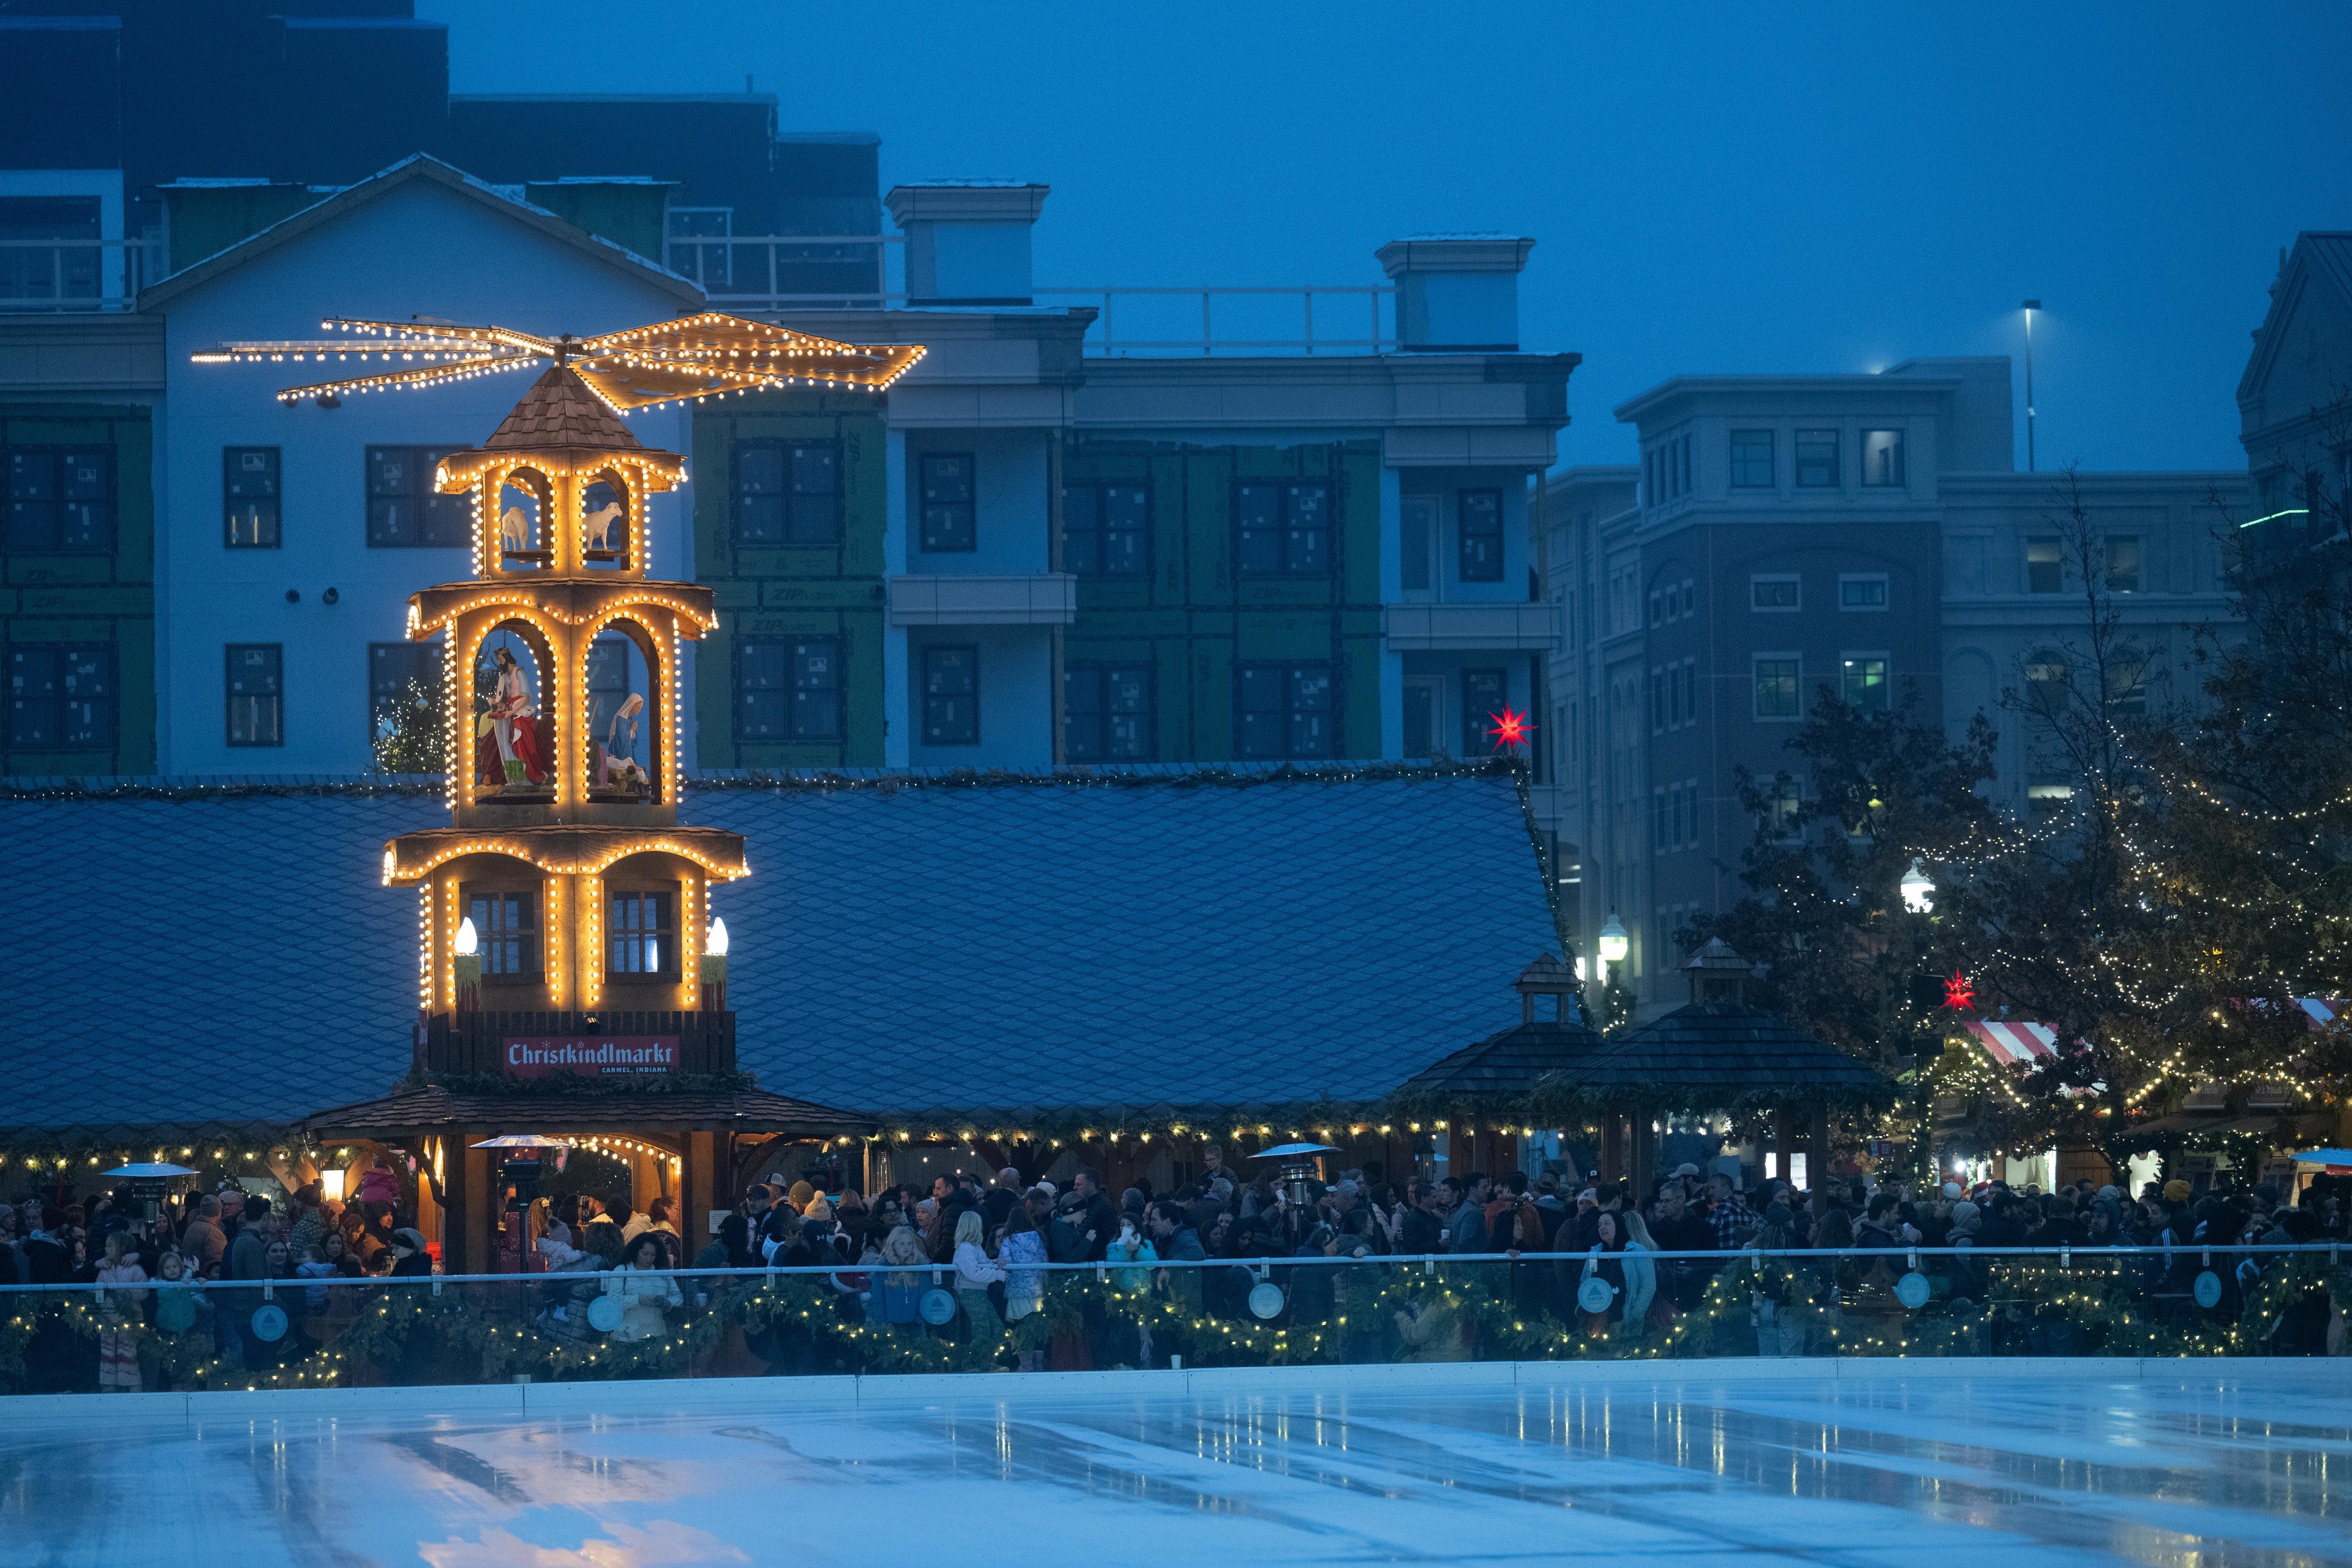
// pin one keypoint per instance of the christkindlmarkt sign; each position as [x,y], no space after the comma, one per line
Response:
[590,1055]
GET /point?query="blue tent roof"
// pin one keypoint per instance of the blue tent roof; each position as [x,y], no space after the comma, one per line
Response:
[904,946]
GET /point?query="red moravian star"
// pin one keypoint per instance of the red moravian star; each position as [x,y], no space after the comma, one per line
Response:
[1508,730]
[1959,994]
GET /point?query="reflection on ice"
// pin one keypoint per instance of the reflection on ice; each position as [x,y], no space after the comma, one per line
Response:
[1857,1472]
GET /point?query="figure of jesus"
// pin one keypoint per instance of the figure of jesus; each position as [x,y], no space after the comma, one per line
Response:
[509,704]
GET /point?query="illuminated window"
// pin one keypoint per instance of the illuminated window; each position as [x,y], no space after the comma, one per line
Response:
[641,937]
[257,694]
[1882,459]
[1865,675]
[506,928]
[249,497]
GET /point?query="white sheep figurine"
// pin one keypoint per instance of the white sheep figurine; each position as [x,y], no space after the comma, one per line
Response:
[514,530]
[604,527]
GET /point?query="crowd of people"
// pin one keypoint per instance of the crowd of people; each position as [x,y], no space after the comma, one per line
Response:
[612,1272]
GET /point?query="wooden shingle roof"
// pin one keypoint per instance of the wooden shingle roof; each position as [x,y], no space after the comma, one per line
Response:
[560,411]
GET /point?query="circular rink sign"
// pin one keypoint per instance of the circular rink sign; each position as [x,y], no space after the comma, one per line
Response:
[938,1308]
[269,1322]
[1266,1298]
[1912,1290]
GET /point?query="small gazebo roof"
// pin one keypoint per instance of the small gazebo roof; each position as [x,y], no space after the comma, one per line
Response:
[1510,1063]
[1547,975]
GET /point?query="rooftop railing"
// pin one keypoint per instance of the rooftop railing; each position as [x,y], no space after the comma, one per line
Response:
[783,273]
[76,275]
[877,1318]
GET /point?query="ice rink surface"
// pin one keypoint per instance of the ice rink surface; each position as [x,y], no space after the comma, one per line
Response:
[1906,1472]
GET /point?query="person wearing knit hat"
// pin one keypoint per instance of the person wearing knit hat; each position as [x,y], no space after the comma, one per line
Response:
[801,1195]
[2176,1191]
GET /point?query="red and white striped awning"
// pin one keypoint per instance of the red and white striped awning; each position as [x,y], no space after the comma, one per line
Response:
[2012,1042]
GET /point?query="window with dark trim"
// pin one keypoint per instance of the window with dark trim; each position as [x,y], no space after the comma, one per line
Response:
[1107,712]
[951,696]
[257,694]
[787,494]
[640,935]
[1864,681]
[2123,559]
[404,510]
[60,501]
[1106,529]
[506,931]
[949,509]
[1286,711]
[1283,529]
[2045,569]
[1862,591]
[788,688]
[1482,705]
[1773,593]
[1751,459]
[401,676]
[61,697]
[1778,677]
[1817,459]
[249,497]
[1479,534]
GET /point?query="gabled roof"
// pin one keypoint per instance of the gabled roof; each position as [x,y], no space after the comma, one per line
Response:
[908,945]
[1726,1047]
[2321,255]
[560,411]
[417,168]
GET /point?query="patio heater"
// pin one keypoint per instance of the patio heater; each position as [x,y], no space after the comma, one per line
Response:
[1298,1163]
[152,1184]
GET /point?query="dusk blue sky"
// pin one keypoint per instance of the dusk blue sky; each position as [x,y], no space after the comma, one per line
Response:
[1712,188]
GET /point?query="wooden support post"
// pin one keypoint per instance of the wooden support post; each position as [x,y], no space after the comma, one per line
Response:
[1784,1145]
[1817,1148]
[1643,1163]
[474,1215]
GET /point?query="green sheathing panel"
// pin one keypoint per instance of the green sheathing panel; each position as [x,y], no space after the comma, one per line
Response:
[105,599]
[1195,621]
[834,591]
[207,219]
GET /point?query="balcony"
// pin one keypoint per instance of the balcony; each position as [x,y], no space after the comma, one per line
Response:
[1470,629]
[1044,599]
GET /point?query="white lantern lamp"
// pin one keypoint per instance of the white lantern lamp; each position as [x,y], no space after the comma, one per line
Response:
[1918,890]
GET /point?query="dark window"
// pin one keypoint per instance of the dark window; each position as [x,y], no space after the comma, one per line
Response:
[401,675]
[950,512]
[1867,593]
[2049,680]
[257,694]
[786,493]
[1285,529]
[1417,525]
[403,512]
[1751,459]
[1775,688]
[2045,572]
[60,501]
[1817,459]
[2123,562]
[1772,593]
[1482,711]
[640,936]
[1286,710]
[1882,459]
[1106,530]
[1865,681]
[60,696]
[2126,683]
[788,688]
[951,696]
[249,497]
[505,931]
[1108,708]
[608,680]
[1481,536]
